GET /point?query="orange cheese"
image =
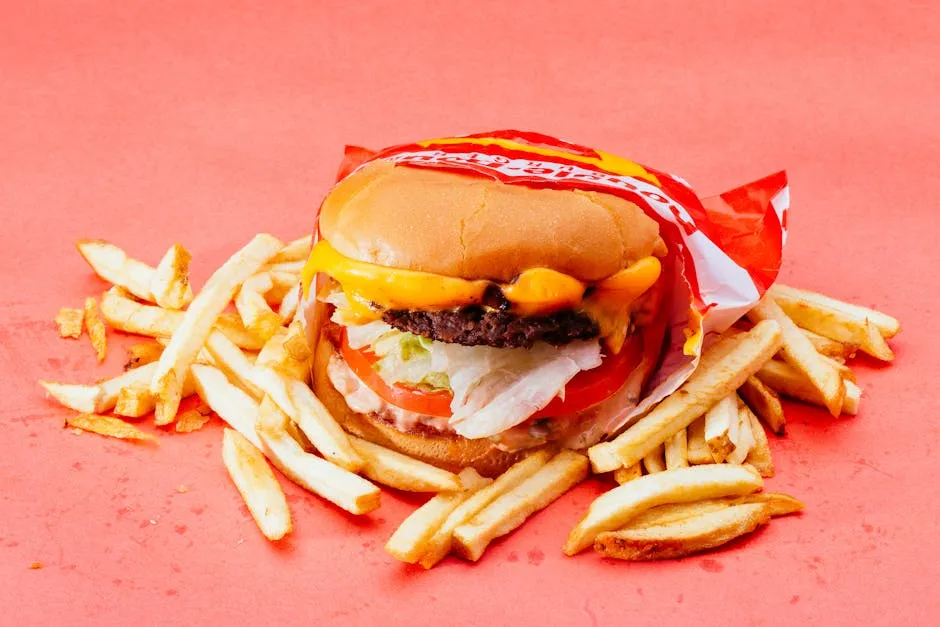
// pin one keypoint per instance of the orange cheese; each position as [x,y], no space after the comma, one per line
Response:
[535,291]
[541,290]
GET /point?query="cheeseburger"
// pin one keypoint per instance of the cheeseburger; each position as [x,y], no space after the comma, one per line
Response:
[463,320]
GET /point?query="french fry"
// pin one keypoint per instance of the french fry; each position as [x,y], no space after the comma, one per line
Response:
[721,375]
[287,267]
[232,361]
[677,450]
[127,315]
[193,419]
[798,351]
[685,537]
[100,397]
[655,460]
[170,283]
[439,545]
[399,471]
[699,453]
[135,400]
[281,284]
[887,325]
[275,384]
[316,423]
[765,403]
[853,396]
[231,327]
[274,354]
[845,323]
[789,381]
[257,484]
[111,388]
[844,371]
[411,538]
[142,354]
[675,512]
[96,330]
[109,426]
[295,343]
[289,305]
[341,487]
[721,424]
[629,473]
[81,398]
[230,402]
[759,457]
[566,470]
[199,319]
[256,314]
[113,265]
[70,322]
[296,250]
[779,504]
[745,439]
[617,507]
[829,347]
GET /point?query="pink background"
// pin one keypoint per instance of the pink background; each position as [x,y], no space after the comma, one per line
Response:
[205,122]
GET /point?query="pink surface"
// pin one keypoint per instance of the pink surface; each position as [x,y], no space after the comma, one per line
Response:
[147,123]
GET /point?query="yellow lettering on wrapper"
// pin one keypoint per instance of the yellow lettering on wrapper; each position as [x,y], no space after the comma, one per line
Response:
[606,161]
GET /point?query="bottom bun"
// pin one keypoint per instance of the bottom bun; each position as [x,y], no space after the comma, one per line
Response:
[450,451]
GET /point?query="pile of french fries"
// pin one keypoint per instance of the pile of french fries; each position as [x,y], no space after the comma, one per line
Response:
[690,471]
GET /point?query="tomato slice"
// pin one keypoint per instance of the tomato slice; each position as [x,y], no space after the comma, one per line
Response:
[587,388]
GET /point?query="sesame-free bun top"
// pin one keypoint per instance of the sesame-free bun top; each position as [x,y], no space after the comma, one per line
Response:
[473,227]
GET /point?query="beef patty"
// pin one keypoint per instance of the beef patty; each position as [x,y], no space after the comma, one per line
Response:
[478,326]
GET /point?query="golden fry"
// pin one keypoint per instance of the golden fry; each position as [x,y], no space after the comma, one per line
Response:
[257,484]
[616,508]
[798,351]
[677,450]
[296,250]
[506,513]
[199,319]
[686,537]
[655,460]
[717,376]
[113,265]
[698,450]
[142,354]
[765,403]
[439,545]
[170,283]
[95,327]
[109,426]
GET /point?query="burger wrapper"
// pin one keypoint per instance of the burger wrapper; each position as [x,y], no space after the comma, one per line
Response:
[724,250]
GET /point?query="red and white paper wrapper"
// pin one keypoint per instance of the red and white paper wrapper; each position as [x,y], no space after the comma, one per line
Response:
[726,249]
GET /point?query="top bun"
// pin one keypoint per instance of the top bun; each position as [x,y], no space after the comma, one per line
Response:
[473,227]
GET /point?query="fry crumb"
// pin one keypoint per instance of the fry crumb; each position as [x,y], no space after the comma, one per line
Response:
[182,489]
[70,322]
[77,431]
[191,420]
[35,566]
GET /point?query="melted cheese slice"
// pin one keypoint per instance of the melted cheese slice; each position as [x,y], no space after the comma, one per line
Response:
[535,291]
